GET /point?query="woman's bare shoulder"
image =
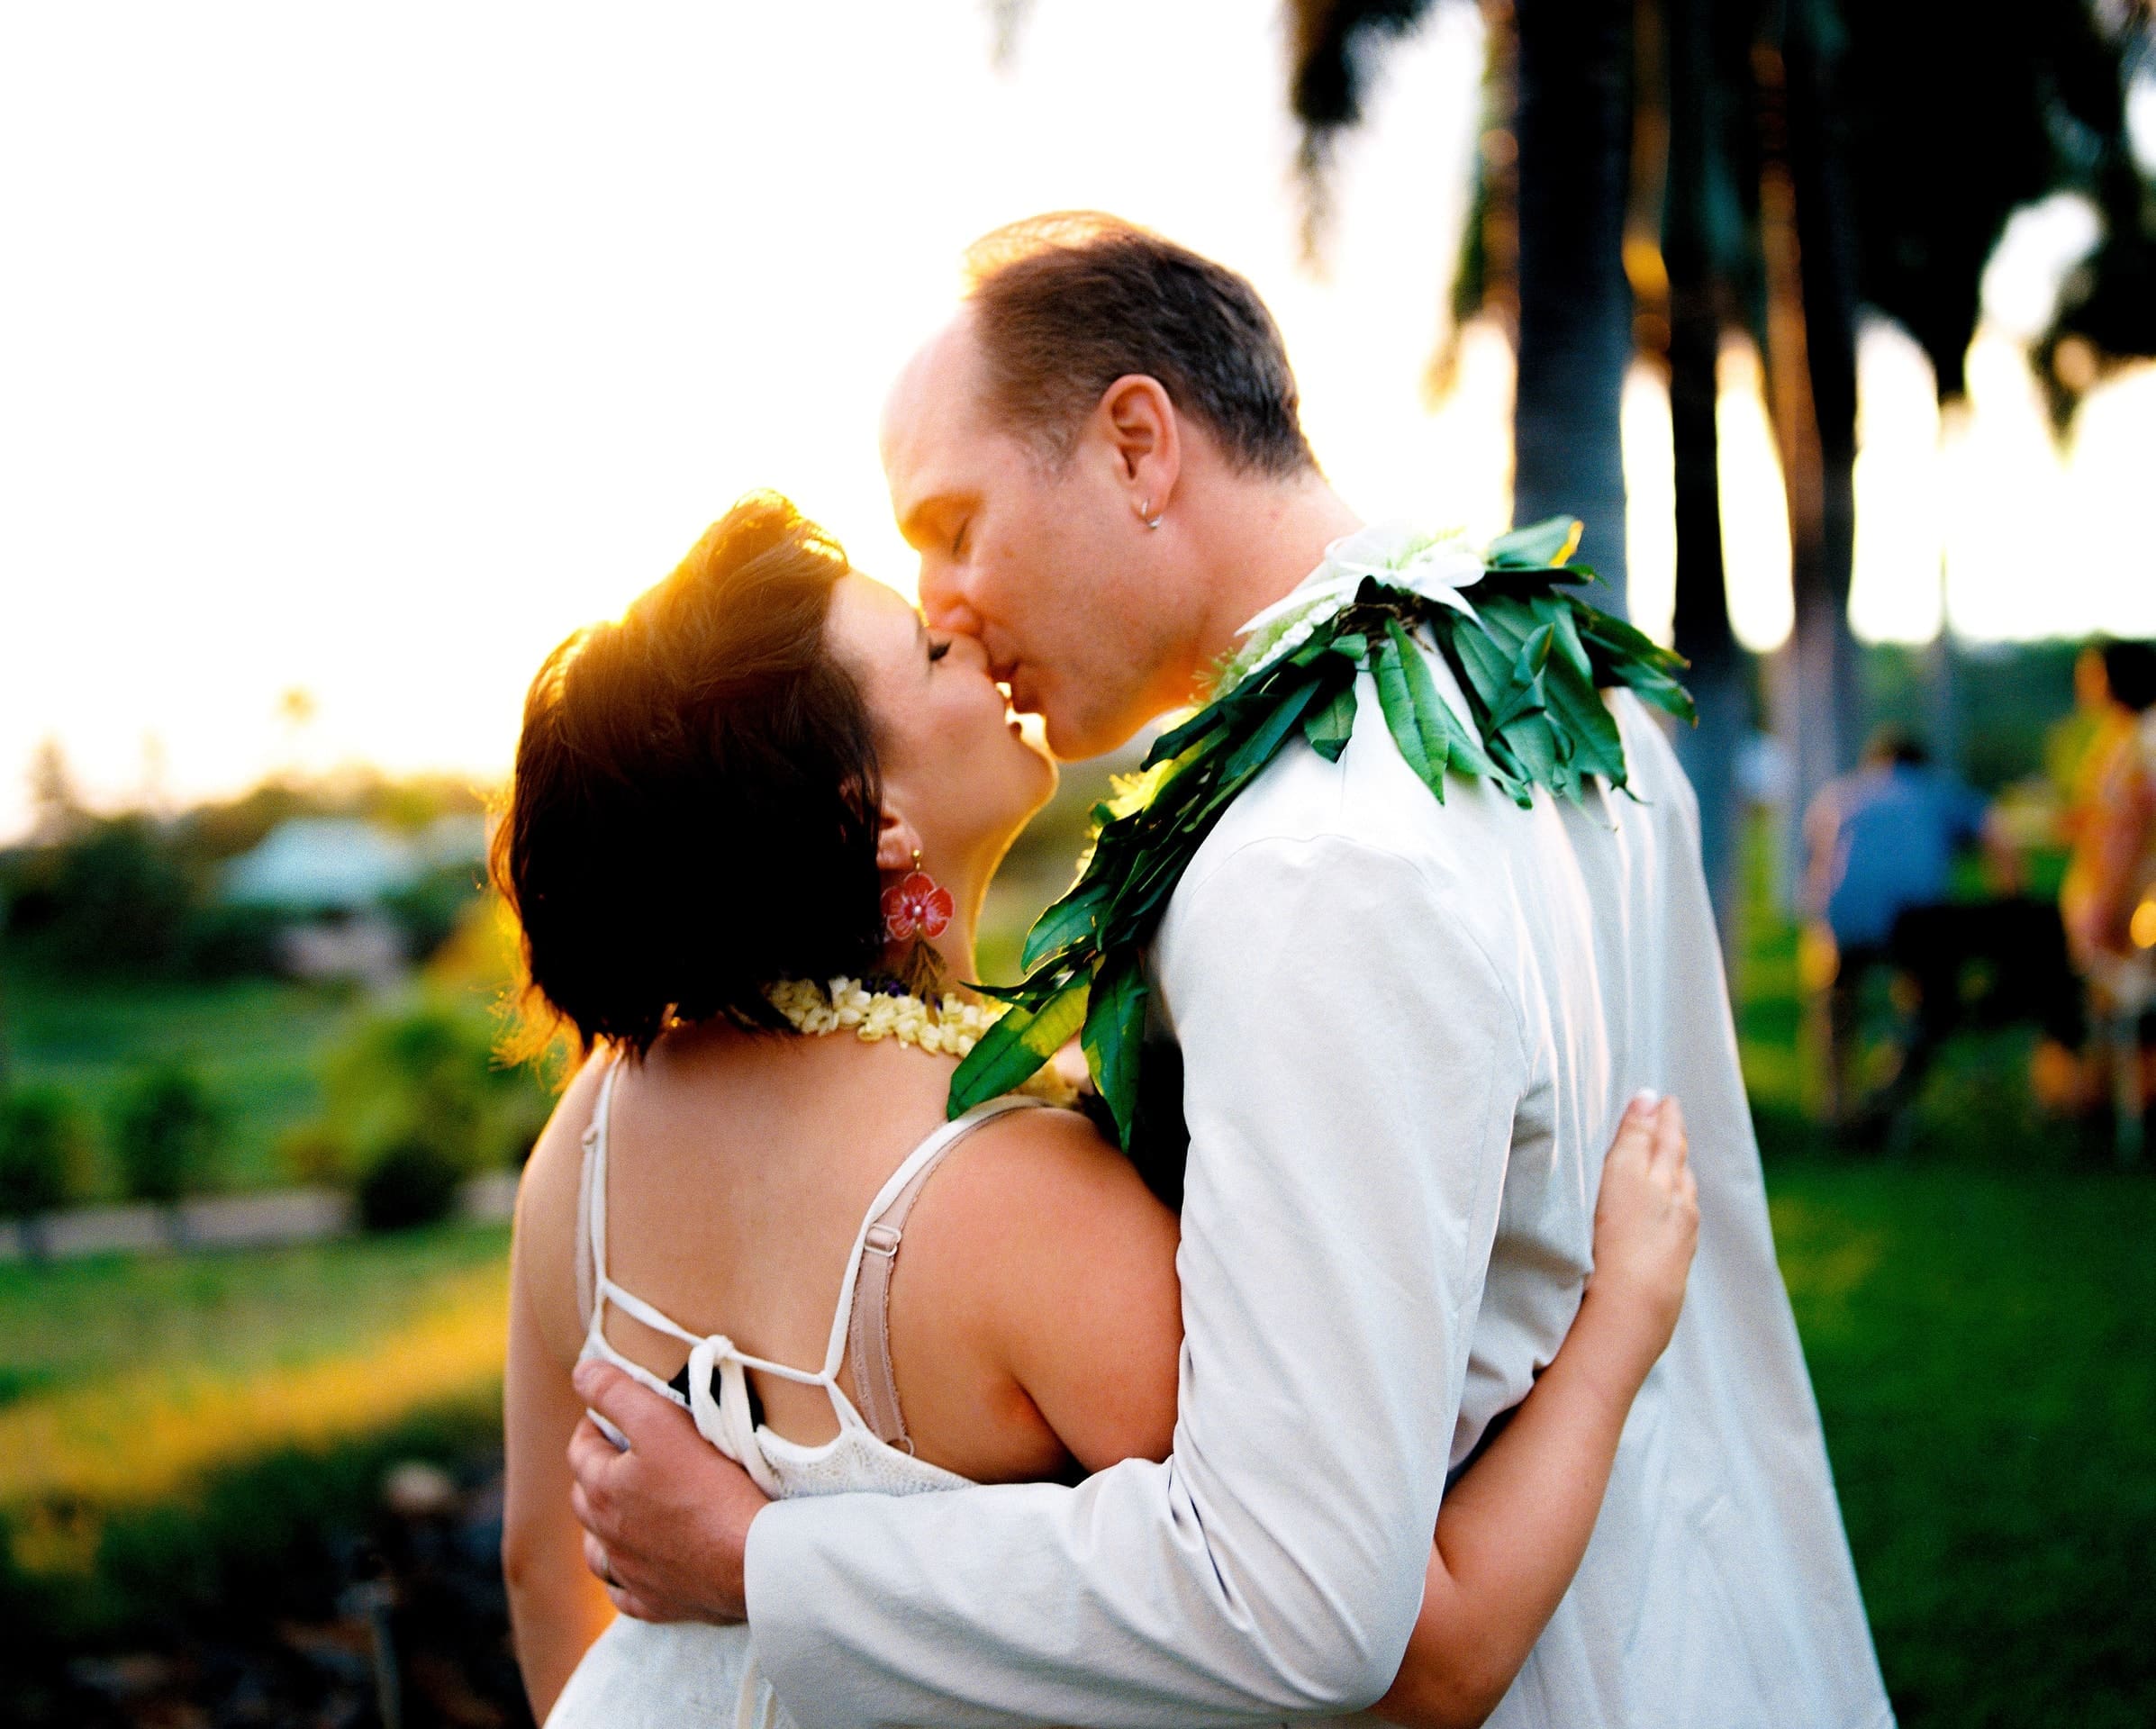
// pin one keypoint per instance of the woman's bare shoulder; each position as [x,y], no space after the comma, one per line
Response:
[1048,1171]
[1048,1254]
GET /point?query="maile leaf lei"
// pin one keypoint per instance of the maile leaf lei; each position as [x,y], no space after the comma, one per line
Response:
[1529,655]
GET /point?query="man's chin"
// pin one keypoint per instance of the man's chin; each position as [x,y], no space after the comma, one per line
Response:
[1079,738]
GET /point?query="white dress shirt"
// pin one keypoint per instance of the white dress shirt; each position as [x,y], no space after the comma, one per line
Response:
[1408,1032]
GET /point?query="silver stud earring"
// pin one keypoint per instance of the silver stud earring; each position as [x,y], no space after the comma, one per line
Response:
[1145,512]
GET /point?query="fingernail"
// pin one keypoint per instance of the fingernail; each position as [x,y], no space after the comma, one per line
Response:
[1646,1099]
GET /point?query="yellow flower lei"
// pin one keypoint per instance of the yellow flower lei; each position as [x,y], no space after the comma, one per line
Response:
[952,1027]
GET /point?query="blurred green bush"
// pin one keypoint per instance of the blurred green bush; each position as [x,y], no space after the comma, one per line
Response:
[420,1099]
[412,1181]
[45,1158]
[167,1134]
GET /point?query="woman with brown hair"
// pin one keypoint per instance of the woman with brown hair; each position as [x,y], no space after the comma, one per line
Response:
[750,831]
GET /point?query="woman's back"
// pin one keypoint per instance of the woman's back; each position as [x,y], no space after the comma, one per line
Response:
[738,1175]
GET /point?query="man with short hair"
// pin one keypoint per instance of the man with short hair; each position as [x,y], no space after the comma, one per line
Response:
[1406,1030]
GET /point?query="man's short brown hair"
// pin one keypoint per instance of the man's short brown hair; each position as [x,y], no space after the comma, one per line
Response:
[1067,304]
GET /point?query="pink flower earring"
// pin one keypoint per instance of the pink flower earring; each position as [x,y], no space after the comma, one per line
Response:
[916,912]
[919,907]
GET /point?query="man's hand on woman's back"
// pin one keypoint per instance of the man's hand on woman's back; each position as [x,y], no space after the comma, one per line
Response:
[666,1521]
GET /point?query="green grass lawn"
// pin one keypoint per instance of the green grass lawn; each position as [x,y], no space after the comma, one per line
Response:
[258,1043]
[178,1430]
[1983,1344]
[78,1322]
[1984,1350]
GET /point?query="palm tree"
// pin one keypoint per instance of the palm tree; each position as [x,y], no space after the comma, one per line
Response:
[1544,248]
[1573,121]
[1806,243]
[1766,102]
[1704,232]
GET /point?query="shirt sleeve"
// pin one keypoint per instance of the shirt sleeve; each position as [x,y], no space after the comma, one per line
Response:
[1353,1064]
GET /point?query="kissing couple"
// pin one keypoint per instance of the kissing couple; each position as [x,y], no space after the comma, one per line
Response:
[1374,1338]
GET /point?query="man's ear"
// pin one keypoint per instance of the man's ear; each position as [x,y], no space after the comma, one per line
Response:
[1140,427]
[897,842]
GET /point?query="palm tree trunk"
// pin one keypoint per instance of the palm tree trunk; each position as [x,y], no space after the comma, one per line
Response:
[1574,130]
[1807,236]
[1827,269]
[1720,676]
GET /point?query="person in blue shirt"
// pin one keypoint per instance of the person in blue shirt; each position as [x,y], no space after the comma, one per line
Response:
[1883,843]
[1885,838]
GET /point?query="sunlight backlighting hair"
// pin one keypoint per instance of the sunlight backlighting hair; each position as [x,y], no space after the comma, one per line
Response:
[693,812]
[1068,302]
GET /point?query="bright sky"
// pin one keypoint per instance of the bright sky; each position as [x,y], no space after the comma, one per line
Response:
[369,350]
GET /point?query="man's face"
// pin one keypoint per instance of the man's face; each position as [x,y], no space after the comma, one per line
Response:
[1046,566]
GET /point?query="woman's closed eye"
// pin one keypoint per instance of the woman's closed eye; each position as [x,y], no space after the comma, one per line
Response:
[939,646]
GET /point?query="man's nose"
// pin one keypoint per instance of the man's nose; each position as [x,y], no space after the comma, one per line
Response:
[969,650]
[944,604]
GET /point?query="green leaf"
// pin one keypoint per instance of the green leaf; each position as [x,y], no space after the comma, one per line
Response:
[1576,706]
[1622,656]
[1016,1046]
[1577,710]
[1173,744]
[1485,658]
[1436,717]
[1258,749]
[1070,920]
[1032,995]
[1482,661]
[1329,729]
[1522,694]
[1115,1028]
[1525,584]
[1628,643]
[1421,738]
[1150,879]
[1555,611]
[1537,546]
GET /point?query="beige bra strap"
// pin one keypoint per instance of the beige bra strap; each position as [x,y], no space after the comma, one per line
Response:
[868,1333]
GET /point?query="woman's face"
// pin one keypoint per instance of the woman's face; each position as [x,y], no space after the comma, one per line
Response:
[956,765]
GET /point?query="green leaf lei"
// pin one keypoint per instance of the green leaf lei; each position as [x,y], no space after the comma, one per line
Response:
[1528,655]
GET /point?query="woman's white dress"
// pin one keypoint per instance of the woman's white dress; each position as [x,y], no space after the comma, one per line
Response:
[643,1675]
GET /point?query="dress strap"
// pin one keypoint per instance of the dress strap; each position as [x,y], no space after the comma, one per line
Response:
[865,1308]
[590,1204]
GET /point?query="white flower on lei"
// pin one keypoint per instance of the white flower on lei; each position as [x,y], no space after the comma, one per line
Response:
[952,1027]
[1400,554]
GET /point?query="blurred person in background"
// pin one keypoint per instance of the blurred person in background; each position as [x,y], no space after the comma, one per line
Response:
[2079,740]
[1883,845]
[2108,900]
